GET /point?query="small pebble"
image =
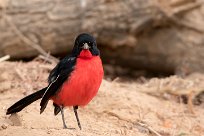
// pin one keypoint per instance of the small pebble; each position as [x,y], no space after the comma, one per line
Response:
[49,132]
[4,126]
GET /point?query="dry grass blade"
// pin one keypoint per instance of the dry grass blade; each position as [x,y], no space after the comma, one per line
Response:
[4,58]
[149,128]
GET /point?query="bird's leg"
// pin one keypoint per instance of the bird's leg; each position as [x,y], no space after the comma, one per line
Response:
[63,120]
[76,114]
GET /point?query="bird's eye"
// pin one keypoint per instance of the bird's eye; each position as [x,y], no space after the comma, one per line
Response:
[90,44]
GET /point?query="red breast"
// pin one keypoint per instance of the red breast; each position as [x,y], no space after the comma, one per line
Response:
[83,83]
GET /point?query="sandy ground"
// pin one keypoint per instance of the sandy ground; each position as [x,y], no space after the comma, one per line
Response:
[143,107]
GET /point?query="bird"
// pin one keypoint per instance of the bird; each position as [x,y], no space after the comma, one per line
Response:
[73,82]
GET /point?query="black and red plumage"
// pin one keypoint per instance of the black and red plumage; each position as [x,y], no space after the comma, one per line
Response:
[73,82]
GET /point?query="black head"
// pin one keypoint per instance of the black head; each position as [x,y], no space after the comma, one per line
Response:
[85,41]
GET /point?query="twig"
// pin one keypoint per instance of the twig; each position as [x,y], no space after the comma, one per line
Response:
[26,40]
[137,123]
[186,7]
[22,76]
[190,103]
[4,58]
[186,24]
[176,3]
[47,67]
[116,115]
[46,58]
[140,113]
[149,128]
[171,15]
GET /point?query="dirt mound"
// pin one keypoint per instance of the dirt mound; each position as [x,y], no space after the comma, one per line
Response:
[142,107]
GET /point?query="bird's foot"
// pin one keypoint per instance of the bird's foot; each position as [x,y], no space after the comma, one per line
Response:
[65,127]
[79,126]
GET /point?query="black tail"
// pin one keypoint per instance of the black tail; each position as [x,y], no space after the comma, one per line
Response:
[18,106]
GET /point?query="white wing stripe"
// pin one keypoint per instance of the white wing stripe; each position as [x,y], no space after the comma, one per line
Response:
[49,86]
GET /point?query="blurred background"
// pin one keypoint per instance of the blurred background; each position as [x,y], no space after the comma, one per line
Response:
[152,51]
[154,37]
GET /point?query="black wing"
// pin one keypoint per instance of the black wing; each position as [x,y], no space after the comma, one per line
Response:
[56,78]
